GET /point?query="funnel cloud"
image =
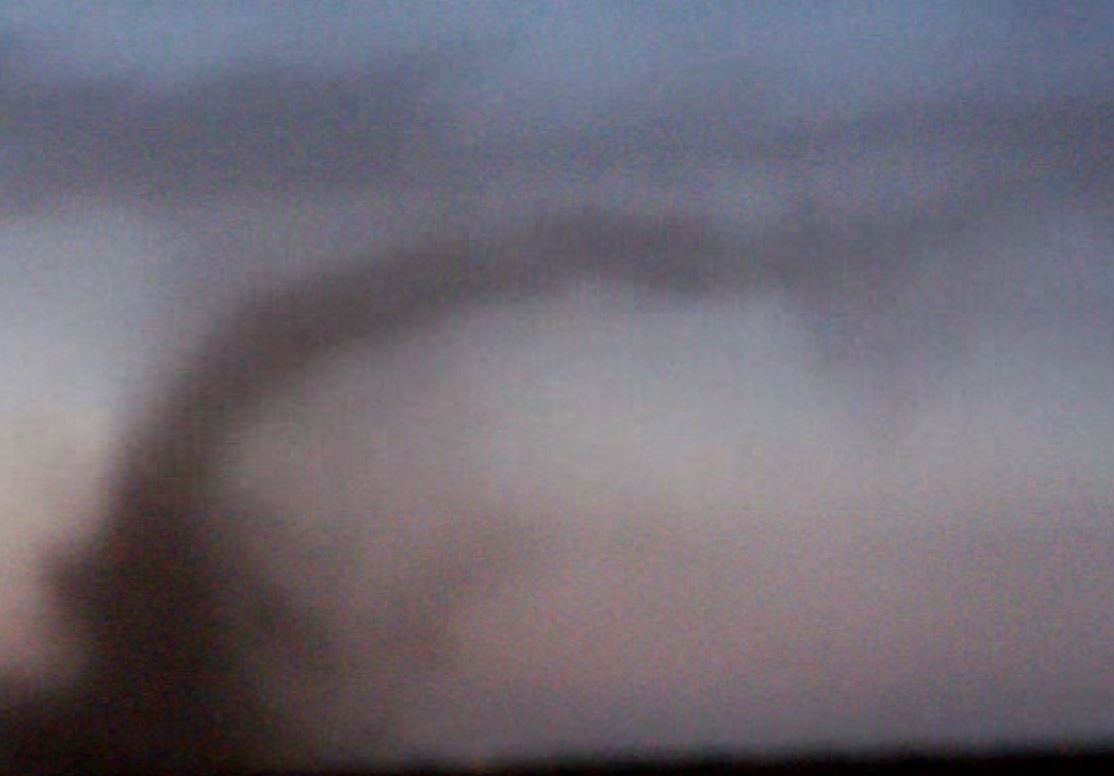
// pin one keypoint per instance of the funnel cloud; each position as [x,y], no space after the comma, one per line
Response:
[484,384]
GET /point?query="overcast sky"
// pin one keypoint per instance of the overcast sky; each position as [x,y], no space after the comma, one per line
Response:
[861,494]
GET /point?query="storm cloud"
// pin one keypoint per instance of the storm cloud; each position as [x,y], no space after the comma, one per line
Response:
[587,380]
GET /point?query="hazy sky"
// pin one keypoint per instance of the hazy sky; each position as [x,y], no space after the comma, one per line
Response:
[863,497]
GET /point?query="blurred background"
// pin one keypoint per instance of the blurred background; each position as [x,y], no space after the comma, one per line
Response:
[866,501]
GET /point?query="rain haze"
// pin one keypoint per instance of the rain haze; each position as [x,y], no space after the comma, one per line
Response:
[403,382]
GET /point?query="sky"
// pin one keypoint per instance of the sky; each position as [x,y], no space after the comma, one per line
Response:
[839,476]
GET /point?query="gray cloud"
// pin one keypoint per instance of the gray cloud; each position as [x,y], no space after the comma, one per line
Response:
[837,473]
[254,128]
